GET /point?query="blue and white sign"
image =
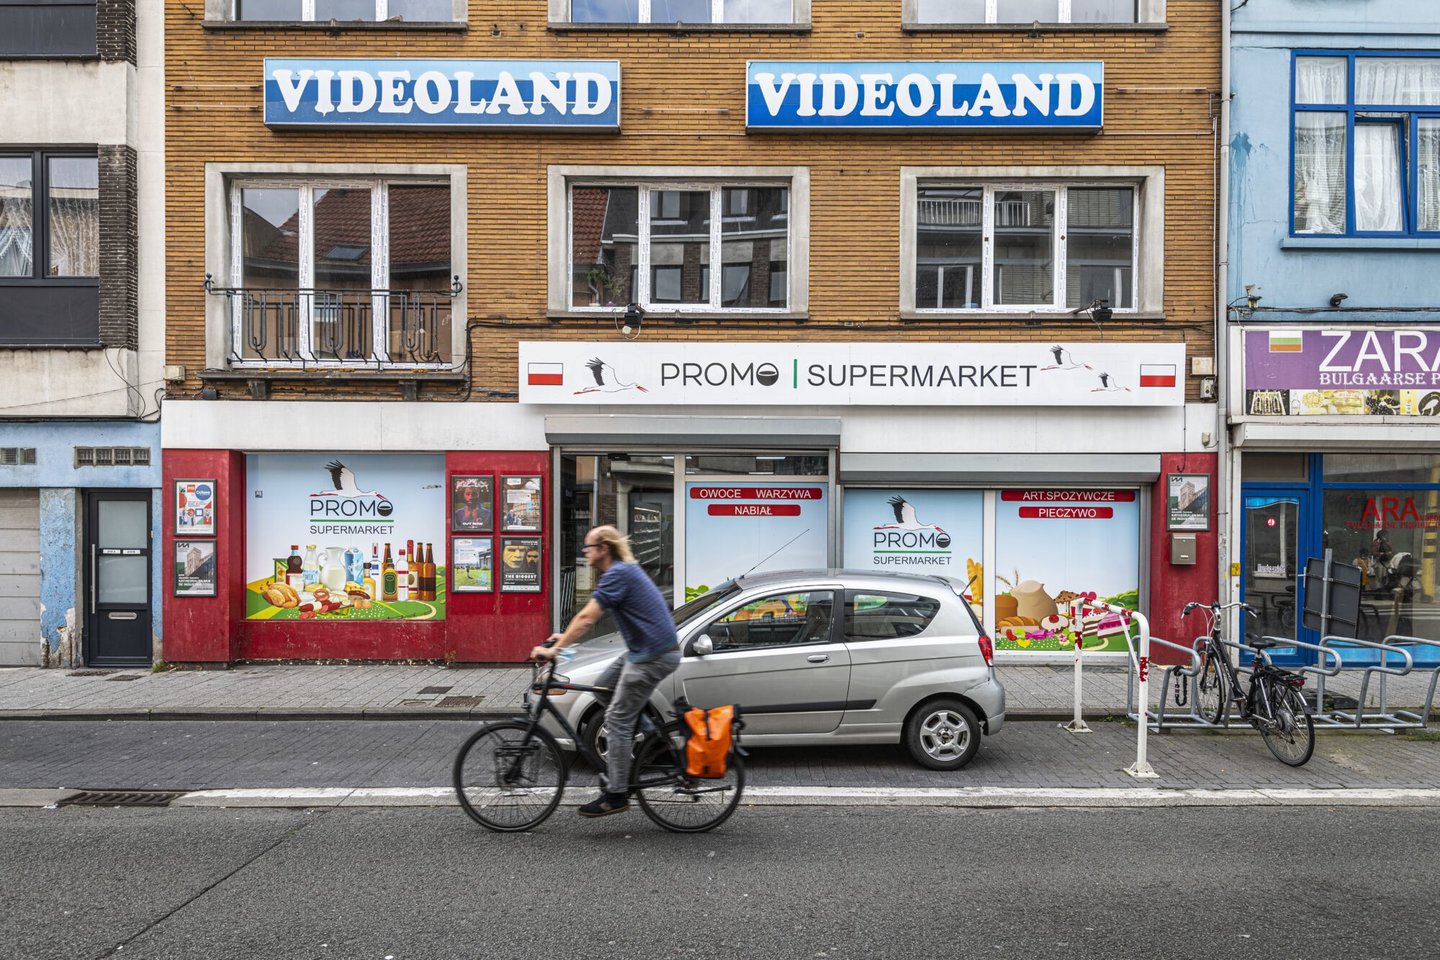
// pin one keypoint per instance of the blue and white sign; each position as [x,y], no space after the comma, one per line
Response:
[946,95]
[567,94]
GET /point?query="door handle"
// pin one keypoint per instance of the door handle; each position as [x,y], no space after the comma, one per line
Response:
[818,658]
[92,578]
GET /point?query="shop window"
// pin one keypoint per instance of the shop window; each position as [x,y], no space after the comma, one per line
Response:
[1031,11]
[1380,467]
[758,465]
[341,272]
[324,11]
[782,620]
[748,12]
[1275,467]
[1028,248]
[49,247]
[679,247]
[887,616]
[1366,158]
[1391,535]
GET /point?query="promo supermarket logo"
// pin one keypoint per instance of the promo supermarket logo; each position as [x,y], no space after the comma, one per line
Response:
[346,499]
[909,534]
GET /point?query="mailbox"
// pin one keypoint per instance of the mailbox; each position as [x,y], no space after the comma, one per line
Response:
[1182,549]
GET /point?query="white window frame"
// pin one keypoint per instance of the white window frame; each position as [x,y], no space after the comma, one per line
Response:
[562,180]
[1146,12]
[1147,255]
[560,12]
[379,188]
[230,10]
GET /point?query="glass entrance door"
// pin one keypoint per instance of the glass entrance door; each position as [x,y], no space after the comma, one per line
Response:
[1272,562]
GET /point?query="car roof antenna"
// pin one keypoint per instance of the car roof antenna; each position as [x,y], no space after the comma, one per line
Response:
[777,550]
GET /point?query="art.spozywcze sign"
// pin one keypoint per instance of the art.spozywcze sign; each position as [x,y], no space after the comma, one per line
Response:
[1039,374]
[951,95]
[570,94]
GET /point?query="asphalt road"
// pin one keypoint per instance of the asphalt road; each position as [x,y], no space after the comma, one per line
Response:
[831,882]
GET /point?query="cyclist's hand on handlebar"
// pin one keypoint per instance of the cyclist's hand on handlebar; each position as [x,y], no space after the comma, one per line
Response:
[546,650]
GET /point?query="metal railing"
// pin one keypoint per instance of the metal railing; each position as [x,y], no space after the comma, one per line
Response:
[338,327]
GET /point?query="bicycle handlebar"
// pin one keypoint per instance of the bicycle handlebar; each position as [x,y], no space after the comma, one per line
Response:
[1218,607]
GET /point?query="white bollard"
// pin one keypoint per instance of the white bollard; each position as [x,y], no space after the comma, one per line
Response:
[1141,768]
[1077,616]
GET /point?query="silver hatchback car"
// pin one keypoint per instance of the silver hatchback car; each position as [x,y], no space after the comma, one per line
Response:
[824,657]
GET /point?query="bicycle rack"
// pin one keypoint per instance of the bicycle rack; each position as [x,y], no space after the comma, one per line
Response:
[1318,671]
[1160,721]
[1383,720]
[1421,719]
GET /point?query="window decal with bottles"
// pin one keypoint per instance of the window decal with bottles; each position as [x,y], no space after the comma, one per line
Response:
[345,537]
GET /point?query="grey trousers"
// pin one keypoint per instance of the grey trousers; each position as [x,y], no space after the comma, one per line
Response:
[631,685]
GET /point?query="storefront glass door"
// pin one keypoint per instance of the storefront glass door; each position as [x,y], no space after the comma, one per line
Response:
[1273,558]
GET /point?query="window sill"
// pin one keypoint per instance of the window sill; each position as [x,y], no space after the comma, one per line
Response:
[1160,27]
[678,28]
[657,316]
[1045,316]
[340,26]
[1360,243]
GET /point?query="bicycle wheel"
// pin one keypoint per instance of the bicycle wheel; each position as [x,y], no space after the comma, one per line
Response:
[1292,736]
[679,802]
[509,777]
[1212,694]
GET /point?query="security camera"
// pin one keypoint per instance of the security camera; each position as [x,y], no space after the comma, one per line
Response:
[1337,299]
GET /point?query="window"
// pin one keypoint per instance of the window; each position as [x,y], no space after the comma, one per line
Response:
[887,616]
[679,246]
[1366,158]
[379,11]
[677,11]
[49,247]
[1027,11]
[47,28]
[775,621]
[1024,247]
[341,271]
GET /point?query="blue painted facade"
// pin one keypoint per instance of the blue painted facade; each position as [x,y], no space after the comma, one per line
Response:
[1297,273]
[61,486]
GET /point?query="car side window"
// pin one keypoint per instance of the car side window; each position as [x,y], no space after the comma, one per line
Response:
[887,616]
[781,620]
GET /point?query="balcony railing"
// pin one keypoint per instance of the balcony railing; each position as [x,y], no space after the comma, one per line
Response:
[339,327]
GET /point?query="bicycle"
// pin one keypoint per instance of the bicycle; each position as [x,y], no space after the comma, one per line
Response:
[510,775]
[1272,704]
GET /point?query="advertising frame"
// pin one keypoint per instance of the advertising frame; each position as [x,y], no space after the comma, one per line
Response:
[517,580]
[1185,518]
[485,482]
[485,554]
[191,531]
[206,586]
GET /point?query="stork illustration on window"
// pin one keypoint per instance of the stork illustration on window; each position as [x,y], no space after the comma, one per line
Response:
[905,519]
[342,479]
[606,379]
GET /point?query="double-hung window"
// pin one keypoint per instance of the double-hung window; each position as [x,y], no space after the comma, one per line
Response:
[1023,246]
[1366,157]
[1028,11]
[377,11]
[340,271]
[679,11]
[678,245]
[49,247]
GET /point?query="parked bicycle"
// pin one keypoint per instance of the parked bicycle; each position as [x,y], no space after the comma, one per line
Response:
[1272,703]
[510,775]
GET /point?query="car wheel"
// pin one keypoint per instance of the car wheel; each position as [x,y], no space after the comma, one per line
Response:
[943,734]
[593,733]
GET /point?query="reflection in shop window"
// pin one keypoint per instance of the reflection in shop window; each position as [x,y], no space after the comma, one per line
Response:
[1391,535]
[745,464]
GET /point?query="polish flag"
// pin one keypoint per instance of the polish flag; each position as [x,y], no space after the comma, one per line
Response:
[1157,374]
[545,374]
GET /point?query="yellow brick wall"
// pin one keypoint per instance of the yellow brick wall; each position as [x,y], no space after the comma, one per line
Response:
[683,104]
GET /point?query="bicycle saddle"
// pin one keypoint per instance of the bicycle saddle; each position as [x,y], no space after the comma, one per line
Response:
[1262,643]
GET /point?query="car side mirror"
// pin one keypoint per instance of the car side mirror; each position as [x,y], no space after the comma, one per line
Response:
[703,645]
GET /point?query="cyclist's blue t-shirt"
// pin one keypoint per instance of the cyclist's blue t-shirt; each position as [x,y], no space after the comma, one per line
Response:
[639,610]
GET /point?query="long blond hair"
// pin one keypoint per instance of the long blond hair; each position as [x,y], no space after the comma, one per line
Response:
[617,542]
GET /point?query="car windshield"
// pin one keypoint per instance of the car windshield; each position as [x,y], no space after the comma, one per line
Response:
[697,605]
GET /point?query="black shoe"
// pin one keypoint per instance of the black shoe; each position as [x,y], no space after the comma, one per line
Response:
[605,805]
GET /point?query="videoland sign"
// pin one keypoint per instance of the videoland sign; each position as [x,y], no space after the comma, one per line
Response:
[950,95]
[1041,374]
[569,94]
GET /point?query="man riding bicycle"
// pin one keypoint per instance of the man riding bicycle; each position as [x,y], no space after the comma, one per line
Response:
[652,652]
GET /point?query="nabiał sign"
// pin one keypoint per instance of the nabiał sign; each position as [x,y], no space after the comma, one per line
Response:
[959,95]
[574,94]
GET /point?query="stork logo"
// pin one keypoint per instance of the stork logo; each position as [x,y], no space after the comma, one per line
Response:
[1065,360]
[1108,384]
[346,499]
[908,534]
[607,380]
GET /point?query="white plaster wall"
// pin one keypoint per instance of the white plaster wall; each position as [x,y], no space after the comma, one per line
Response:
[69,102]
[68,383]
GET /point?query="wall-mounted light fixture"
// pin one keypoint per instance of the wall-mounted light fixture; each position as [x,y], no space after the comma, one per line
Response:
[634,317]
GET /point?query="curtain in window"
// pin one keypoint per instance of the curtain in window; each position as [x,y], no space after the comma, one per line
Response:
[1398,81]
[1378,193]
[1319,172]
[17,218]
[74,211]
[1428,182]
[1320,80]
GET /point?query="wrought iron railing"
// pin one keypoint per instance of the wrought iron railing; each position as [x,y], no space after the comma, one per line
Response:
[337,327]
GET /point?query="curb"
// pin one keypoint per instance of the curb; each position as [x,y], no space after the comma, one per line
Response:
[381,713]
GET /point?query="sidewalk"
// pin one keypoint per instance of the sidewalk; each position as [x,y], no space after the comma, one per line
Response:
[390,691]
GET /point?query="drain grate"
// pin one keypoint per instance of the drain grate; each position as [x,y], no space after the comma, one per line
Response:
[89,673]
[124,676]
[460,702]
[436,689]
[121,798]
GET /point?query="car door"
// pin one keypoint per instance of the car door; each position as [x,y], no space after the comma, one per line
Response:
[886,632]
[779,657]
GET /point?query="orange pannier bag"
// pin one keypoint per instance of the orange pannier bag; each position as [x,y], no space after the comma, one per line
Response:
[708,748]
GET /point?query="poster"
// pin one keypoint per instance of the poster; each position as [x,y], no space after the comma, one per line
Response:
[520,565]
[732,529]
[918,531]
[1187,501]
[472,564]
[1056,546]
[343,513]
[472,504]
[195,508]
[195,568]
[520,501]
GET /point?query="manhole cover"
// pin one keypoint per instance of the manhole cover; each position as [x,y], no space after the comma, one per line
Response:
[120,798]
[125,676]
[89,673]
[436,689]
[460,702]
